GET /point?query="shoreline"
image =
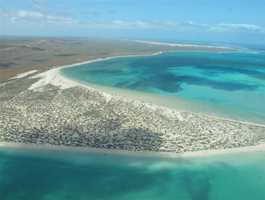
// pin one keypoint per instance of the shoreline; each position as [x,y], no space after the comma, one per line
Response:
[56,78]
[185,45]
[148,127]
[154,101]
[171,155]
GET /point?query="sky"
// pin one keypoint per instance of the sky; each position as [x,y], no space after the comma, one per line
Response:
[235,21]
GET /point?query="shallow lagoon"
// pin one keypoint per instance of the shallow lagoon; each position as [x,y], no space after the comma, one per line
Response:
[72,175]
[229,84]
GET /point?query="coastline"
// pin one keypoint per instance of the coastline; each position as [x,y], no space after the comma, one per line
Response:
[24,74]
[185,45]
[141,126]
[153,100]
[56,78]
[193,154]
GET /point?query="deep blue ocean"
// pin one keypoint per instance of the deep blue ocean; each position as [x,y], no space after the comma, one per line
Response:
[228,84]
[69,175]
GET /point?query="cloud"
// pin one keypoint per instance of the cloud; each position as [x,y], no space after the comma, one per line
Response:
[36,17]
[220,27]
[226,27]
[192,24]
[37,4]
[129,24]
[45,17]
[181,27]
[125,24]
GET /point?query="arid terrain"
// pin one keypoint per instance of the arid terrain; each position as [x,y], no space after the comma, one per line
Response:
[22,54]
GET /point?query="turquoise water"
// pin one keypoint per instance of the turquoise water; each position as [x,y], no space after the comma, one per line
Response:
[228,83]
[66,175]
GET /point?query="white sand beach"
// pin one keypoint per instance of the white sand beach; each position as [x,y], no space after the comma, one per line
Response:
[25,74]
[56,78]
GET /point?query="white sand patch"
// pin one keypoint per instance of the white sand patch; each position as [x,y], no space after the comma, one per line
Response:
[53,77]
[25,74]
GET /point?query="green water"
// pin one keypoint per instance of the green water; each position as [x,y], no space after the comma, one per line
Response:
[228,84]
[68,175]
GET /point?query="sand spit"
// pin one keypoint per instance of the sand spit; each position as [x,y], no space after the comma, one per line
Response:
[25,74]
[182,45]
[50,109]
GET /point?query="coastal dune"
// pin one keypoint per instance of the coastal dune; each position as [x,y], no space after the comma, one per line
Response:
[49,108]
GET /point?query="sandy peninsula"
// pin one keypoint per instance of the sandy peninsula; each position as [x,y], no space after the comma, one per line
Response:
[38,105]
[50,109]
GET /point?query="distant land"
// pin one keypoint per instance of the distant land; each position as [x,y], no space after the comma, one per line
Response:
[20,54]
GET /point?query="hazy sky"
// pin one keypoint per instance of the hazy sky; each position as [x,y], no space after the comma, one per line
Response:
[193,20]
